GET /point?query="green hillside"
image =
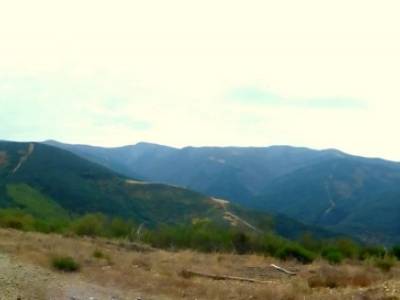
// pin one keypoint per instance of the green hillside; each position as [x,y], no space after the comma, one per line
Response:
[351,194]
[50,183]
[34,202]
[355,195]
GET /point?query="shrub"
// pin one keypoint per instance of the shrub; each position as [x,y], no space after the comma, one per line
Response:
[396,251]
[119,228]
[65,263]
[168,237]
[98,254]
[271,244]
[332,255]
[347,247]
[372,251]
[309,242]
[385,264]
[209,238]
[241,242]
[16,219]
[202,237]
[14,223]
[90,225]
[296,251]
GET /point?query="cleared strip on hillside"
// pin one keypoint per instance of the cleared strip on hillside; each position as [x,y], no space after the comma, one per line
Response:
[23,158]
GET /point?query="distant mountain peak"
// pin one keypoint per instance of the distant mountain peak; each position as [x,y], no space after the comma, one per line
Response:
[151,145]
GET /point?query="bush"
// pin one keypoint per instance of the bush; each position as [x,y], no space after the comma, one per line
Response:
[16,219]
[296,251]
[271,244]
[241,242]
[385,264]
[119,228]
[202,237]
[168,237]
[65,263]
[98,254]
[396,251]
[310,243]
[347,247]
[332,255]
[372,251]
[90,225]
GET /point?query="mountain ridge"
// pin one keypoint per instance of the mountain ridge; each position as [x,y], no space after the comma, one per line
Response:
[135,161]
[318,187]
[64,185]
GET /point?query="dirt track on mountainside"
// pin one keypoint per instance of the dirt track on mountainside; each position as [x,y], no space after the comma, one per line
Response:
[24,158]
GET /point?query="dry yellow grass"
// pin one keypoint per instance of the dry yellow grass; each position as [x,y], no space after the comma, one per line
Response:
[155,274]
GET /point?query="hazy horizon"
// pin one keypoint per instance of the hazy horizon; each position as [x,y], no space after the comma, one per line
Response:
[200,146]
[181,73]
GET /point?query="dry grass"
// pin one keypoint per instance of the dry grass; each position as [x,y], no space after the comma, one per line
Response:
[344,276]
[156,273]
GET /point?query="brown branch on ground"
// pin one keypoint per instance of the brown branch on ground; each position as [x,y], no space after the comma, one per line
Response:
[283,270]
[189,274]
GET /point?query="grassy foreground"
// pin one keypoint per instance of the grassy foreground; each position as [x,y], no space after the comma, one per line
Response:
[126,270]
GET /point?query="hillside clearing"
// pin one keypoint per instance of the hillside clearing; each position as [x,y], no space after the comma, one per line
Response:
[131,181]
[222,202]
[127,271]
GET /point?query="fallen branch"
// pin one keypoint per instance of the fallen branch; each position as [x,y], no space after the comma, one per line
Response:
[283,270]
[188,274]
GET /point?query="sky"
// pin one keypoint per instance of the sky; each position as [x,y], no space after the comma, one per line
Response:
[315,73]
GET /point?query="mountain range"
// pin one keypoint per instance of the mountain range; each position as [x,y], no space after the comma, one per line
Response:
[355,195]
[234,173]
[48,182]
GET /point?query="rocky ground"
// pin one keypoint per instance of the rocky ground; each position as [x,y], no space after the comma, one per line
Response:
[25,281]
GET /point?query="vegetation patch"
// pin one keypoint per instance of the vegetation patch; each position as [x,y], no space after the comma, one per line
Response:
[89,225]
[372,252]
[335,277]
[98,254]
[297,252]
[204,236]
[65,263]
[34,202]
[16,219]
[396,251]
[385,264]
[333,256]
